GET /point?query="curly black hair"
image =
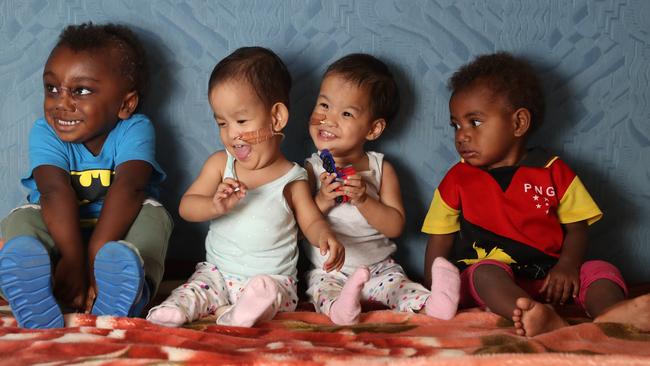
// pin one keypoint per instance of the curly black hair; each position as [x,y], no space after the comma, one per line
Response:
[506,75]
[261,68]
[371,73]
[89,36]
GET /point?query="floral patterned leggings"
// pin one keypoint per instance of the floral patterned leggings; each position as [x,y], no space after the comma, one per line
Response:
[388,285]
[208,289]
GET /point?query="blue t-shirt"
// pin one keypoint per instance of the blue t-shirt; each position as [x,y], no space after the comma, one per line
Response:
[91,176]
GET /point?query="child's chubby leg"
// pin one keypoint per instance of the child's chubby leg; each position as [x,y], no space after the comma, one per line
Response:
[603,292]
[260,299]
[203,294]
[601,287]
[493,286]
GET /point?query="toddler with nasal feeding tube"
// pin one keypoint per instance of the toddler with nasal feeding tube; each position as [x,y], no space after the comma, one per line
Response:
[358,97]
[255,200]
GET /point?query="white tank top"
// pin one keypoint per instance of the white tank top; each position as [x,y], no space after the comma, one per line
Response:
[364,245]
[259,235]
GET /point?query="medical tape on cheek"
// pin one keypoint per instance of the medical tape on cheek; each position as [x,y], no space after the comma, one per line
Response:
[258,136]
[318,119]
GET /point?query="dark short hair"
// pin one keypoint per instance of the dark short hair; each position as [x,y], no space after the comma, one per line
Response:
[370,73]
[508,76]
[261,68]
[89,36]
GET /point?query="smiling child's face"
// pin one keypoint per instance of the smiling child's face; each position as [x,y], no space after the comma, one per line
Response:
[239,111]
[348,117]
[85,95]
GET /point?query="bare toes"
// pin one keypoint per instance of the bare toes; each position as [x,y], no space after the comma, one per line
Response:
[523,304]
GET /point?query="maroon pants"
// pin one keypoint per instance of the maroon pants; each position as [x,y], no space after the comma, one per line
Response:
[590,271]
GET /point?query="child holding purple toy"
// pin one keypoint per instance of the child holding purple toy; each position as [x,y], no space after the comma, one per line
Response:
[357,98]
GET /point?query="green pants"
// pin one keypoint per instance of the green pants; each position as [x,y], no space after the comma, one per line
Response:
[149,233]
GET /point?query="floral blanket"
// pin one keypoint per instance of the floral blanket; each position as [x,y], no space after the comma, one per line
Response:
[306,338]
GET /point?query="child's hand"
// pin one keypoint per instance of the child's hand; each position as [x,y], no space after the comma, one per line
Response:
[229,193]
[355,188]
[71,282]
[561,282]
[327,242]
[328,189]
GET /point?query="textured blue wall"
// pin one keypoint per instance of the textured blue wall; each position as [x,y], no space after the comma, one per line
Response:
[593,55]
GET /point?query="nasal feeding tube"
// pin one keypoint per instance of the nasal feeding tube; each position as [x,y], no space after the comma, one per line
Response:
[258,136]
[319,119]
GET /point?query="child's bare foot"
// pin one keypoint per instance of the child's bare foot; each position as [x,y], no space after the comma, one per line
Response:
[532,318]
[634,311]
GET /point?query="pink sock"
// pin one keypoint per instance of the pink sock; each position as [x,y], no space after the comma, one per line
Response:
[346,309]
[168,316]
[256,303]
[445,290]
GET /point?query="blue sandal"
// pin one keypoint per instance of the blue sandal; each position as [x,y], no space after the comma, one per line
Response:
[119,277]
[26,281]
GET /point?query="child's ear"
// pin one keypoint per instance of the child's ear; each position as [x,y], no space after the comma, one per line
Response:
[279,116]
[522,121]
[376,129]
[129,104]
